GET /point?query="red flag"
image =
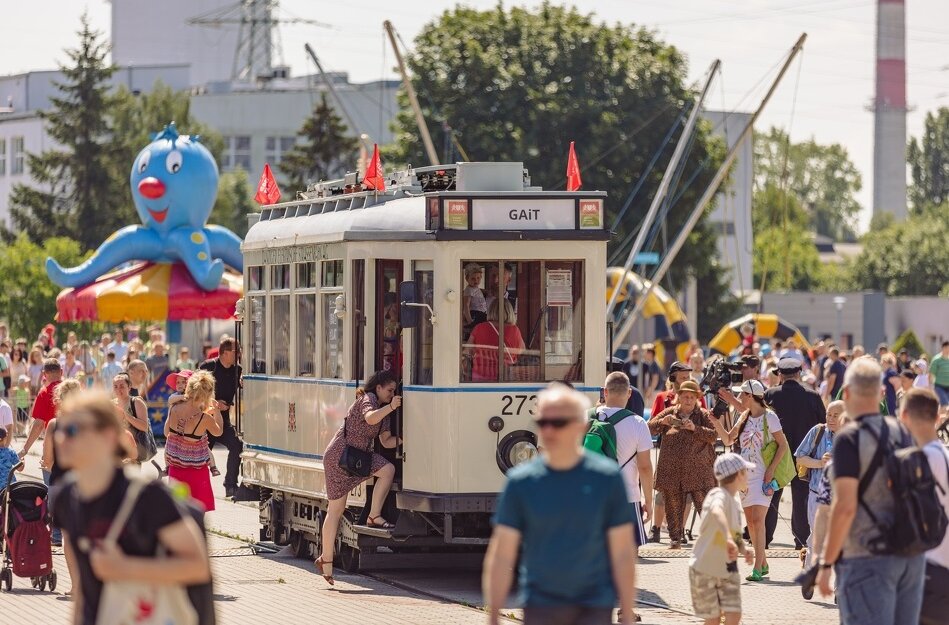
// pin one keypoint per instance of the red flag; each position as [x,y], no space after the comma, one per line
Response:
[573,171]
[267,190]
[374,178]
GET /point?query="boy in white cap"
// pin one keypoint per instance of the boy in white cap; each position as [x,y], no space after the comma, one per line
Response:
[713,569]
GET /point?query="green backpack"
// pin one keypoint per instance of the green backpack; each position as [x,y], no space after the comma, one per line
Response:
[601,435]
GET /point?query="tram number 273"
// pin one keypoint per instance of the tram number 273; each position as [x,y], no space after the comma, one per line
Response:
[516,404]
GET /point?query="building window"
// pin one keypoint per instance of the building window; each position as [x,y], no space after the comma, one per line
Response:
[277,148]
[236,153]
[18,156]
[3,157]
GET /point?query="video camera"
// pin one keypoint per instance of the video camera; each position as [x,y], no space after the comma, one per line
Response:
[719,374]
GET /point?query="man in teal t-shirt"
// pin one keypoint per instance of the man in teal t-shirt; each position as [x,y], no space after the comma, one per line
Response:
[939,375]
[566,512]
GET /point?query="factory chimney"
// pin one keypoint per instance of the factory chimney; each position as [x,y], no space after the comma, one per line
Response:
[889,110]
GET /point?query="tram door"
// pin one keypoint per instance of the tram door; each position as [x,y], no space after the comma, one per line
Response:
[388,341]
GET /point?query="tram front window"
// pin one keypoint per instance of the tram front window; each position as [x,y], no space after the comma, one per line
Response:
[536,306]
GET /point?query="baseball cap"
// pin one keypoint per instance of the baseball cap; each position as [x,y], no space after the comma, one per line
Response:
[679,366]
[172,379]
[789,365]
[752,387]
[689,386]
[729,464]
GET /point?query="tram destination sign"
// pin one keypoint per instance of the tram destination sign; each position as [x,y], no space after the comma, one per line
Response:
[535,214]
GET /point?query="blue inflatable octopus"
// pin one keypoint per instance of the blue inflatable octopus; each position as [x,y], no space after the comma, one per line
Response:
[174,185]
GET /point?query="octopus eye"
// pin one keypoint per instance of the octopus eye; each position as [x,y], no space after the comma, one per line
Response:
[143,161]
[173,162]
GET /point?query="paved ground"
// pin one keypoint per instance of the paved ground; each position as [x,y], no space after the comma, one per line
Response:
[254,588]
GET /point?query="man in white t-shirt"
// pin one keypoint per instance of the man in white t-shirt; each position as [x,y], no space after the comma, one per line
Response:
[919,412]
[633,444]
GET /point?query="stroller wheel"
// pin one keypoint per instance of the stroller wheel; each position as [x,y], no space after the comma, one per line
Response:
[6,579]
[42,584]
[35,582]
[52,581]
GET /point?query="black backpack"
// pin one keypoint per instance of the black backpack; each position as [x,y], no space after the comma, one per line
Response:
[919,519]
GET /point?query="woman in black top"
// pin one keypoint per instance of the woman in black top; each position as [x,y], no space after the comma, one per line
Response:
[90,440]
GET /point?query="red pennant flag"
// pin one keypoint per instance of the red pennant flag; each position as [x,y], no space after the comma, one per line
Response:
[374,178]
[267,190]
[573,171]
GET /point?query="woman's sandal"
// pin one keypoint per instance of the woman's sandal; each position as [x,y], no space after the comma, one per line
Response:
[372,522]
[325,569]
[755,576]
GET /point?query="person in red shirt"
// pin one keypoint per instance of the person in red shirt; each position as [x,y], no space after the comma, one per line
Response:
[481,350]
[678,373]
[43,408]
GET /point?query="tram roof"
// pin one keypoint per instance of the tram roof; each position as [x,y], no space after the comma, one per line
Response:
[405,211]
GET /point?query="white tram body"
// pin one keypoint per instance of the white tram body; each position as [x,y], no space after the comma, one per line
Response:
[331,284]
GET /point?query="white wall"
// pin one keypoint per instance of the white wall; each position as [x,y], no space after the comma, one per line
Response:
[733,204]
[30,127]
[145,32]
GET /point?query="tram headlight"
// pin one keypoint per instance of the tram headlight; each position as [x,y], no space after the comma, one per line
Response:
[515,448]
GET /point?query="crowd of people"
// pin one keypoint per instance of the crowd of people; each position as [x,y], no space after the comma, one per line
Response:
[92,431]
[819,424]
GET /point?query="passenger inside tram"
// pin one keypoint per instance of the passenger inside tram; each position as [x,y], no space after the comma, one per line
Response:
[492,291]
[480,355]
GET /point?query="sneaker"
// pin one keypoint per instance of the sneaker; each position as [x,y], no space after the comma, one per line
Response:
[654,534]
[229,491]
[807,592]
[755,576]
[215,472]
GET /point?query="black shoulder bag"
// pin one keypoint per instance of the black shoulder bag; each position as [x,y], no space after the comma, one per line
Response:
[355,461]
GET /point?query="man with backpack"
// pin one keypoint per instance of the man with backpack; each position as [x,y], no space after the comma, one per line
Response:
[623,436]
[873,541]
[920,413]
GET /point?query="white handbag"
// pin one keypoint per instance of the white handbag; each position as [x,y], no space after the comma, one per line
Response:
[141,603]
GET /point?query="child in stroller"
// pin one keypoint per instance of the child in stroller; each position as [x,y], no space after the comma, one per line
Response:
[25,539]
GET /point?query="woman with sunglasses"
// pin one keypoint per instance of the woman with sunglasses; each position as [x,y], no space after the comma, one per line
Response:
[131,409]
[366,420]
[186,437]
[90,439]
[755,427]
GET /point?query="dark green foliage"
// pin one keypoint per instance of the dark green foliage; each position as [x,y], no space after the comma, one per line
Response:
[324,151]
[910,342]
[929,162]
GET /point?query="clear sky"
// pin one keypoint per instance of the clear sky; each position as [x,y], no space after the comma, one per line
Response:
[827,100]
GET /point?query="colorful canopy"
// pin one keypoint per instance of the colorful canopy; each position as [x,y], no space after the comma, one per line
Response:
[149,291]
[671,330]
[766,326]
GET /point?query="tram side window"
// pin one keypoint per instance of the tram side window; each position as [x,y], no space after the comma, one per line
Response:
[306,334]
[424,332]
[279,277]
[255,278]
[258,336]
[536,306]
[332,339]
[280,314]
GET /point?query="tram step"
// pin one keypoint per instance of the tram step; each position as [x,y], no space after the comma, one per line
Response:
[378,532]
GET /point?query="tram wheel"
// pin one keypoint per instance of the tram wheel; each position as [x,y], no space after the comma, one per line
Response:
[300,544]
[349,559]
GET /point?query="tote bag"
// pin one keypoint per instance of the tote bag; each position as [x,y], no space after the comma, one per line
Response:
[141,603]
[785,470]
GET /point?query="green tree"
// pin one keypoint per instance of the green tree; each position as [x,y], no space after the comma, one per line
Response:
[786,259]
[74,193]
[234,202]
[28,297]
[910,342]
[928,159]
[907,258]
[822,178]
[324,152]
[517,84]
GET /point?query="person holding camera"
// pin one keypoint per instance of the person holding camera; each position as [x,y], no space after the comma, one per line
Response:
[686,455]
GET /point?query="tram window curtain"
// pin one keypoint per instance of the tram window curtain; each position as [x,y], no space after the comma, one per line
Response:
[539,305]
[280,313]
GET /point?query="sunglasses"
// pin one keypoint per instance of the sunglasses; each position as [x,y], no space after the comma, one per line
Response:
[557,423]
[72,430]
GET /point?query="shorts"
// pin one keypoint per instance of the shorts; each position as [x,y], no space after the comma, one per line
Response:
[22,414]
[942,392]
[639,529]
[713,595]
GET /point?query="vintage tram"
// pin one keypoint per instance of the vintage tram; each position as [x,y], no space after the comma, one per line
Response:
[347,281]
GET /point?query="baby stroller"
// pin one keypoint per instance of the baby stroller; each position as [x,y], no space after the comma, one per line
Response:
[25,541]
